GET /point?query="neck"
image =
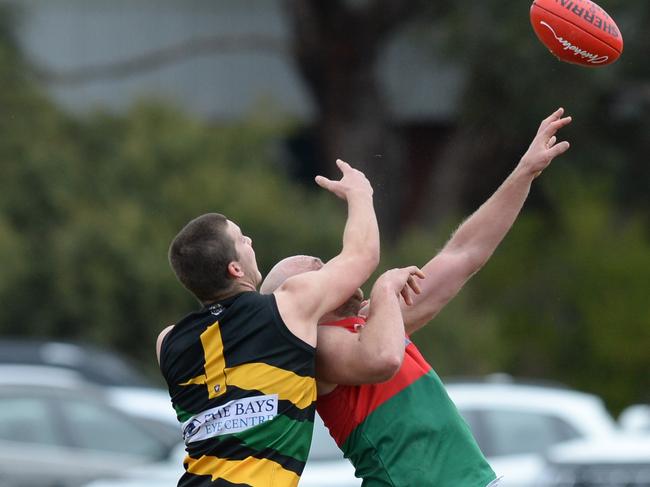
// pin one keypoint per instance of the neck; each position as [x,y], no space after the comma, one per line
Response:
[236,288]
[333,316]
[246,286]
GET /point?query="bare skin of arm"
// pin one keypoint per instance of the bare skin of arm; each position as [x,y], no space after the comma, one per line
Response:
[160,339]
[475,240]
[304,298]
[375,354]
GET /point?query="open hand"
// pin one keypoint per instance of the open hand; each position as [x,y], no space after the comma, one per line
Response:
[403,281]
[353,181]
[544,147]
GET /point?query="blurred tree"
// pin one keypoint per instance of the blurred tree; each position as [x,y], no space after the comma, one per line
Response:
[511,82]
[106,197]
[337,46]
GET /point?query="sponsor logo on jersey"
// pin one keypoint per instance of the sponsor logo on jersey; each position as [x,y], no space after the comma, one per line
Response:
[233,417]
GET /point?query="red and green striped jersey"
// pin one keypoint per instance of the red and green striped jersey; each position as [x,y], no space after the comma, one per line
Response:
[244,391]
[406,431]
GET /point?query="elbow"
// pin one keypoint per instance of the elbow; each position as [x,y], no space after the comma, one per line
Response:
[362,263]
[370,257]
[387,365]
[371,260]
[475,260]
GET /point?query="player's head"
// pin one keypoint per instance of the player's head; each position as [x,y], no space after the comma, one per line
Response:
[299,264]
[288,267]
[212,258]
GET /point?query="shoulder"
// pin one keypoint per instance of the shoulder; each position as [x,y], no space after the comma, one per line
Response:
[159,340]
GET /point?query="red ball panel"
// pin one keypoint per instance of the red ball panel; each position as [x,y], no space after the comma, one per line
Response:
[570,42]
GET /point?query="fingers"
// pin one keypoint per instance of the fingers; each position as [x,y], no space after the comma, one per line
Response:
[556,115]
[558,149]
[406,296]
[545,147]
[553,127]
[326,183]
[551,142]
[352,181]
[343,166]
[411,284]
[551,118]
[550,132]
[414,285]
[548,137]
[323,182]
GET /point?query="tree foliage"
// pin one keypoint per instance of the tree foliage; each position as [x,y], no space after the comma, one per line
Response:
[89,208]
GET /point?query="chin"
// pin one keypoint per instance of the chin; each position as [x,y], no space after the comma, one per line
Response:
[350,308]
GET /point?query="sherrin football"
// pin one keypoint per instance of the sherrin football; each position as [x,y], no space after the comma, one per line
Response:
[577,31]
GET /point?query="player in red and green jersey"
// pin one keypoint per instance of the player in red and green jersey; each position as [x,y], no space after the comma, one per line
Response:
[404,430]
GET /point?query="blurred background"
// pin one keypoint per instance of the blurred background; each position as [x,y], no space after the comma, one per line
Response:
[122,120]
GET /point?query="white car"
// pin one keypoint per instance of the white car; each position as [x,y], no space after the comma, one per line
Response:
[515,424]
[636,419]
[621,460]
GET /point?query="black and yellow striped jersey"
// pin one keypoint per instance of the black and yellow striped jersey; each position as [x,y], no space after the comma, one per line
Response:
[244,391]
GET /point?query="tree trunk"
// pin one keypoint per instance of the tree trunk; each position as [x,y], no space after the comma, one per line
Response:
[336,48]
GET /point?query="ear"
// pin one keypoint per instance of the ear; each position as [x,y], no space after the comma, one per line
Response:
[364,309]
[235,270]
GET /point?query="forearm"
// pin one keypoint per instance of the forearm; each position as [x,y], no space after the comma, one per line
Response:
[373,354]
[382,339]
[467,250]
[361,234]
[481,233]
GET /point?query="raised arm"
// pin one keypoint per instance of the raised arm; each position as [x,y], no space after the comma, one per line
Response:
[375,353]
[475,240]
[303,299]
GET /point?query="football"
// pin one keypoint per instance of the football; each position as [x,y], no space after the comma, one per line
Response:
[577,31]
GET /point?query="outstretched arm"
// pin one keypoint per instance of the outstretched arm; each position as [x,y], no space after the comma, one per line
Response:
[375,353]
[304,298]
[475,240]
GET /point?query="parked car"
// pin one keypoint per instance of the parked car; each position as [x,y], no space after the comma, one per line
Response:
[515,423]
[94,364]
[126,388]
[326,467]
[636,419]
[64,435]
[620,460]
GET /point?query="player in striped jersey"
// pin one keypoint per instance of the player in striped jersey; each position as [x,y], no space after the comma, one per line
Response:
[240,370]
[406,431]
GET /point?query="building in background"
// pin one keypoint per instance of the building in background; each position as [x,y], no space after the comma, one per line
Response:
[220,60]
